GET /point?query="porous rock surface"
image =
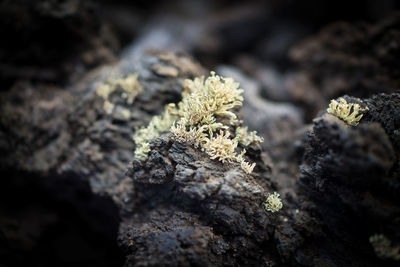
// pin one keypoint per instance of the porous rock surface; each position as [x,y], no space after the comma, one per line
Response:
[351,174]
[63,143]
[177,207]
[224,205]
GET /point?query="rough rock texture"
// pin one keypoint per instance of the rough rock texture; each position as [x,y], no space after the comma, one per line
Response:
[215,209]
[177,207]
[47,130]
[355,59]
[64,144]
[351,174]
[279,123]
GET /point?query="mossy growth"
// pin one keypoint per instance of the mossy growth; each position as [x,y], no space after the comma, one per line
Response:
[384,248]
[205,119]
[127,88]
[348,112]
[273,202]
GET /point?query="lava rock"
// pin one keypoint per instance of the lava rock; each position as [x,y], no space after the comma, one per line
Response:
[344,58]
[351,176]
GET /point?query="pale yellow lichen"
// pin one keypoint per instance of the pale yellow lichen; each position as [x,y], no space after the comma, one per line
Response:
[273,202]
[205,105]
[126,114]
[129,88]
[383,247]
[246,138]
[104,91]
[203,101]
[221,147]
[246,166]
[349,112]
[157,125]
[224,148]
[108,107]
[193,135]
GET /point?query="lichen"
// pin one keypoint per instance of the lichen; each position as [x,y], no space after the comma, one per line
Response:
[221,147]
[157,125]
[348,112]
[246,138]
[203,102]
[193,135]
[246,166]
[203,118]
[273,202]
[108,107]
[131,87]
[127,88]
[383,247]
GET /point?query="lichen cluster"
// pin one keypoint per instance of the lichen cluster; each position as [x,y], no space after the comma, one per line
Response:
[127,88]
[273,202]
[383,247]
[246,138]
[203,118]
[158,124]
[349,112]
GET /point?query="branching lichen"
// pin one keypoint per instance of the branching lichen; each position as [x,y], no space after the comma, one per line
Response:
[246,166]
[383,247]
[204,99]
[193,135]
[203,118]
[221,147]
[246,138]
[157,125]
[273,202]
[349,112]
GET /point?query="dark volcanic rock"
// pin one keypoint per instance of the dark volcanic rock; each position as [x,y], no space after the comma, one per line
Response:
[351,174]
[216,205]
[355,59]
[177,207]
[74,151]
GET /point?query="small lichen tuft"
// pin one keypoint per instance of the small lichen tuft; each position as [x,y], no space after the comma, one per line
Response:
[349,112]
[246,138]
[127,88]
[157,125]
[273,202]
[108,107]
[383,247]
[246,166]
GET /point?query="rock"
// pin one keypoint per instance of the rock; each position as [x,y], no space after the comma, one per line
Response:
[355,59]
[221,205]
[75,150]
[276,122]
[351,175]
[179,207]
